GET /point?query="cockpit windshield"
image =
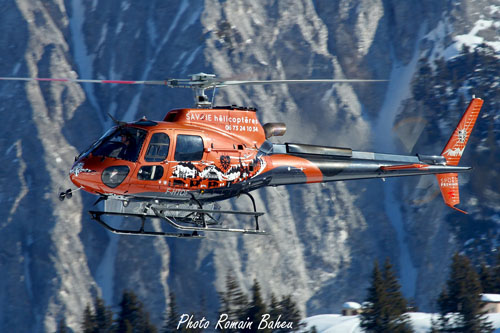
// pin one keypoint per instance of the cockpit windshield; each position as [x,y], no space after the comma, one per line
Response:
[123,143]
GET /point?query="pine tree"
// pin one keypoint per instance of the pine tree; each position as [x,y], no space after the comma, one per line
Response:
[496,274]
[103,317]
[386,307]
[132,317]
[486,278]
[88,323]
[373,314]
[460,301]
[234,302]
[290,313]
[274,308]
[256,309]
[129,312]
[145,325]
[172,316]
[395,301]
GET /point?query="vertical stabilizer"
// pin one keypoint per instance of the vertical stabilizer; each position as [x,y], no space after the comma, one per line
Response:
[452,152]
[456,144]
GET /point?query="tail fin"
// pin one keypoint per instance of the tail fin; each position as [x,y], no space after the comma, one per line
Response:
[452,152]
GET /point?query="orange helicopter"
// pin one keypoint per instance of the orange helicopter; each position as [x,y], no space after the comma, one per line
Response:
[178,169]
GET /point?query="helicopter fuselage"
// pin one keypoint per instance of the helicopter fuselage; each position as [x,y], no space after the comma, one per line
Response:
[215,154]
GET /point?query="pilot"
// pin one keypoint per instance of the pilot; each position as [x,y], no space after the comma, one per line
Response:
[128,151]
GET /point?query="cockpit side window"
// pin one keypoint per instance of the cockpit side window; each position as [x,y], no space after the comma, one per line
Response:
[124,143]
[188,148]
[158,148]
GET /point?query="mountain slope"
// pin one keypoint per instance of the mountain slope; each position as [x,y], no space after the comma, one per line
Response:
[324,237]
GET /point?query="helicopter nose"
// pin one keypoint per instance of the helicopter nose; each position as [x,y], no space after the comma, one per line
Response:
[83,176]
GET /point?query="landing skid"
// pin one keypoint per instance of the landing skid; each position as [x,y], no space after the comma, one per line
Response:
[195,220]
[206,226]
[96,216]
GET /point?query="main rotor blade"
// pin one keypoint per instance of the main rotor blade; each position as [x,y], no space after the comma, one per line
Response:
[81,80]
[203,82]
[230,83]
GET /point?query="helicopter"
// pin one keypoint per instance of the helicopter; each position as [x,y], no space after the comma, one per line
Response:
[180,168]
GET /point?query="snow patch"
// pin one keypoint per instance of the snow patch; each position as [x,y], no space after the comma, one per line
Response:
[125,5]
[472,40]
[335,323]
[180,59]
[191,58]
[437,37]
[193,18]
[351,305]
[492,298]
[119,28]
[102,38]
[16,68]
[182,8]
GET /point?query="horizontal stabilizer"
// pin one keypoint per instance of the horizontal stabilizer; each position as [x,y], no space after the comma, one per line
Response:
[404,167]
[419,169]
[448,184]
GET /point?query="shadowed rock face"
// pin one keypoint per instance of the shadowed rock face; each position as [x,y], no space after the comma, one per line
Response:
[324,237]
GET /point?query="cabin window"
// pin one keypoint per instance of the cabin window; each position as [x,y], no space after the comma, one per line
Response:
[150,172]
[158,148]
[189,148]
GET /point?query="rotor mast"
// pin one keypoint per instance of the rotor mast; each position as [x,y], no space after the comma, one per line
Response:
[198,83]
[201,100]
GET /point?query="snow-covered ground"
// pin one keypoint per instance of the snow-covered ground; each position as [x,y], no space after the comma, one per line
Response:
[335,323]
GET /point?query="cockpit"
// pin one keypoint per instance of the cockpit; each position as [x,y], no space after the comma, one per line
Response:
[146,154]
[123,143]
